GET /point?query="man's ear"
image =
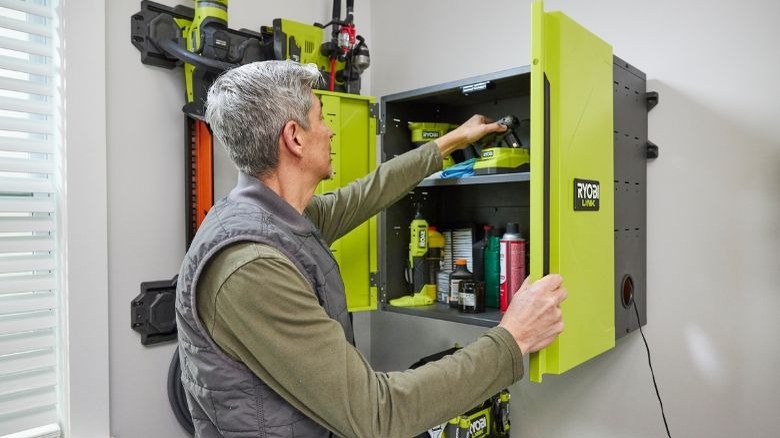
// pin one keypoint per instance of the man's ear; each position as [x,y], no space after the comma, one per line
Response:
[290,138]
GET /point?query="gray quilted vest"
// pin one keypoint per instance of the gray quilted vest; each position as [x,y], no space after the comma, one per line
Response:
[225,398]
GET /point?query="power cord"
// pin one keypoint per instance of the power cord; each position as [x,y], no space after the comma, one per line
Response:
[657,393]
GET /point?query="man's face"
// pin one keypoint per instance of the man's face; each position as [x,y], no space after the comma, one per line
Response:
[317,142]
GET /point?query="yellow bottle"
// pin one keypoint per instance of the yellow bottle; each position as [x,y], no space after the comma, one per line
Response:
[433,259]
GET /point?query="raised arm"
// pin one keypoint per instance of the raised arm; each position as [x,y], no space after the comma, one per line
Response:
[336,213]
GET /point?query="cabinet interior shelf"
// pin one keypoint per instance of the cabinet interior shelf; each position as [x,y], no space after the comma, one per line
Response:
[489,318]
[476,179]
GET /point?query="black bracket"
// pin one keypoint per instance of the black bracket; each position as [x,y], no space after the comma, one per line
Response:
[151,54]
[652,150]
[652,99]
[157,32]
[152,312]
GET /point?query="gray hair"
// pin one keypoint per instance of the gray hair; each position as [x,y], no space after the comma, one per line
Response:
[248,106]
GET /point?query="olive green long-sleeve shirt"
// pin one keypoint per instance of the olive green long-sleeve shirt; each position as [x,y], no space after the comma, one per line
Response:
[262,311]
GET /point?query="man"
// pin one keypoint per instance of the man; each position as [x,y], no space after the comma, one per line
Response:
[265,339]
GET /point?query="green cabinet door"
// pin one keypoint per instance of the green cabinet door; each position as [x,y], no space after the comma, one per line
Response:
[353,151]
[572,189]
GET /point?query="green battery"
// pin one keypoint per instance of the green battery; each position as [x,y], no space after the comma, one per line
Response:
[423,132]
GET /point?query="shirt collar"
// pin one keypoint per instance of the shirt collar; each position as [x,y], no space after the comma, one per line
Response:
[251,190]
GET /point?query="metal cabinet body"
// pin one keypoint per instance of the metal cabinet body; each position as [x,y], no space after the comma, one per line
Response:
[588,122]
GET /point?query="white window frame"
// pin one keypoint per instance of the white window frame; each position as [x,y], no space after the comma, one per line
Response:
[80,188]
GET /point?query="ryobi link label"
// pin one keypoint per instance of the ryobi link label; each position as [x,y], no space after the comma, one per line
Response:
[586,194]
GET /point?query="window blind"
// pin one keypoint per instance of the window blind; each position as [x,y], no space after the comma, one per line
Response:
[28,246]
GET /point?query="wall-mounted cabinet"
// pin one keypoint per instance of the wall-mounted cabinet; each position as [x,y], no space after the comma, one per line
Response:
[587,112]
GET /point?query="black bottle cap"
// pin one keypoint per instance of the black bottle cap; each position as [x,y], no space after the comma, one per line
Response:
[513,228]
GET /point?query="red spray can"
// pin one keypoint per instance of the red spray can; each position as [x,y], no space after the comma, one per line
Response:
[512,264]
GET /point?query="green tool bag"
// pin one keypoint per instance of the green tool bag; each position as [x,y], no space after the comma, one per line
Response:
[489,419]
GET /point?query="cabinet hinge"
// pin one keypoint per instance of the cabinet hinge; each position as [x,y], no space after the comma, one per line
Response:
[373,111]
[374,279]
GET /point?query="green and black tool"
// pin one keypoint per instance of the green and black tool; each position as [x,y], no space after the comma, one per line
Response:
[502,152]
[418,248]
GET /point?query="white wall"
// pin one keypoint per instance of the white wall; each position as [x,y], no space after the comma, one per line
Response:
[83,220]
[146,216]
[713,210]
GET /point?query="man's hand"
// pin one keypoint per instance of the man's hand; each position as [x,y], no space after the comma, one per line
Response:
[475,128]
[534,316]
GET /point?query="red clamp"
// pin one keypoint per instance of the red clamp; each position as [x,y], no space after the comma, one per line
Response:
[347,37]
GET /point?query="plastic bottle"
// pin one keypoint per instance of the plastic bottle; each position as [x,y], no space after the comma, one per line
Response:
[492,269]
[460,273]
[435,252]
[512,264]
[472,296]
[478,254]
[433,259]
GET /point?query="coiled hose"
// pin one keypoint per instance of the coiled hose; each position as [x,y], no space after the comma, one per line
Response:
[176,395]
